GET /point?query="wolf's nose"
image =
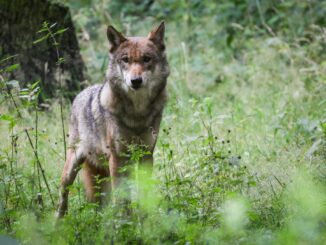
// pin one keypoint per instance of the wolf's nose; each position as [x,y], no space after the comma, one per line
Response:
[136,82]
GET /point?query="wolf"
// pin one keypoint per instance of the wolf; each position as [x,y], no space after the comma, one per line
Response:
[107,118]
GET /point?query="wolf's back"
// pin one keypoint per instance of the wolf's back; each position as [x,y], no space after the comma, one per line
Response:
[86,114]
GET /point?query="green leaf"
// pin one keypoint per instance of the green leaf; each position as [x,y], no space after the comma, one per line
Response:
[45,24]
[41,39]
[60,61]
[8,118]
[252,183]
[60,31]
[323,127]
[44,29]
[35,84]
[12,67]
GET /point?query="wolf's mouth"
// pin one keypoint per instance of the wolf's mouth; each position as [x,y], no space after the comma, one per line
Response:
[135,87]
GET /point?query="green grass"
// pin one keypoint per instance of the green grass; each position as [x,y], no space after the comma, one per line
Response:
[240,158]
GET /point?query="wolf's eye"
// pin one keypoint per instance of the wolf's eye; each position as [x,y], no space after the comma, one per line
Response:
[125,59]
[146,59]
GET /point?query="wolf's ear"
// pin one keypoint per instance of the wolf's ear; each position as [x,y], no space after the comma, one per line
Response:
[157,36]
[115,38]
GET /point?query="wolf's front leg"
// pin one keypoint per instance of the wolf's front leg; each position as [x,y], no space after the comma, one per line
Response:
[119,174]
[71,168]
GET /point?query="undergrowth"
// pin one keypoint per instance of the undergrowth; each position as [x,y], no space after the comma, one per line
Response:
[240,157]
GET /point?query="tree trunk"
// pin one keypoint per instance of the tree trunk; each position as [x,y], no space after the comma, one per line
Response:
[20,21]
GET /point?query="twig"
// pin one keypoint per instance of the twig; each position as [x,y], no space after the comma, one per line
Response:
[55,44]
[36,149]
[40,166]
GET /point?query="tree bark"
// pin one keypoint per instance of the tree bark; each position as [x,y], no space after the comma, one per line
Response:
[20,21]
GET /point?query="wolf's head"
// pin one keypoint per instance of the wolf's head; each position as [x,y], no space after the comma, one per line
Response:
[137,63]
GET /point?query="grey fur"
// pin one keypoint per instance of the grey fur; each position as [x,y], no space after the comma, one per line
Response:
[106,118]
[90,116]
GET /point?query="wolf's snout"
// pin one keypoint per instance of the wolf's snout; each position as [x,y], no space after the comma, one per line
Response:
[136,82]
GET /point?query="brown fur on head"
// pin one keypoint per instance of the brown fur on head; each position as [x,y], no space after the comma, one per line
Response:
[139,60]
[156,36]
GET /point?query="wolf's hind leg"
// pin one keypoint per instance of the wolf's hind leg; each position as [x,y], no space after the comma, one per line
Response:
[70,170]
[96,182]
[89,181]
